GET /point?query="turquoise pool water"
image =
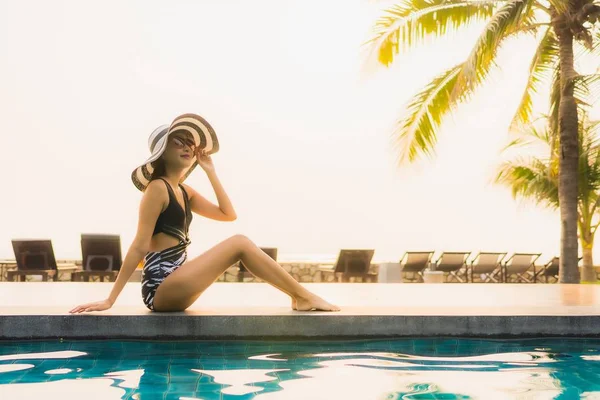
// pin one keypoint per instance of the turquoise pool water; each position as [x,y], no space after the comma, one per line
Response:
[362,370]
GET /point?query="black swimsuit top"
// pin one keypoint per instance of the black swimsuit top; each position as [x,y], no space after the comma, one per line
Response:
[174,220]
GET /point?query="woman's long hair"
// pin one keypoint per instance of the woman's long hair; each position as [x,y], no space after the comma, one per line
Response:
[159,169]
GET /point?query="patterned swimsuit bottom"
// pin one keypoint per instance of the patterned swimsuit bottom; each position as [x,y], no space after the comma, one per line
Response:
[159,265]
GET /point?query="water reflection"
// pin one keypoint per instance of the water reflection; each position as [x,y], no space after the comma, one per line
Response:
[58,371]
[401,369]
[94,388]
[238,380]
[39,356]
[14,367]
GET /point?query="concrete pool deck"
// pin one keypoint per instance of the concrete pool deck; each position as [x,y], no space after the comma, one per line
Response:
[39,310]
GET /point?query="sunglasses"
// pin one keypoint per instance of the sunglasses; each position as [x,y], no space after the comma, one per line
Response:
[180,143]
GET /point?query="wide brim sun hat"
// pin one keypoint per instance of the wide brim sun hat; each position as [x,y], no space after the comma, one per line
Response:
[202,132]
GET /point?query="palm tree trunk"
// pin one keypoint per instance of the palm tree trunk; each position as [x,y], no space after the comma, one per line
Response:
[588,273]
[586,238]
[569,149]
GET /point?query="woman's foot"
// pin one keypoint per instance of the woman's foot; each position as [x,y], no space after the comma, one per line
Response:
[313,303]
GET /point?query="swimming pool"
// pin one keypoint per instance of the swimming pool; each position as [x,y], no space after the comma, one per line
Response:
[370,369]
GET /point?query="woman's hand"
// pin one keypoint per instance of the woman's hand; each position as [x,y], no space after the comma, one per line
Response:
[204,160]
[96,306]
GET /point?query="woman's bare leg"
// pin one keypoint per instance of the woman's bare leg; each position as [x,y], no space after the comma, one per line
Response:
[181,289]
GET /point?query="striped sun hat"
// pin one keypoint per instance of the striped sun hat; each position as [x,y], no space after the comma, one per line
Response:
[203,134]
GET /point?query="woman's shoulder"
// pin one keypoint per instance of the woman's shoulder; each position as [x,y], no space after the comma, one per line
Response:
[156,191]
[157,188]
[156,183]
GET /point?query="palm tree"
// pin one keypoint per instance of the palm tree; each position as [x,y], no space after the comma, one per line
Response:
[560,26]
[537,179]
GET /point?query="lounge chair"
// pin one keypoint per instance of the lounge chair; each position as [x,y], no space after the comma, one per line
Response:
[101,257]
[243,270]
[520,268]
[488,266]
[33,257]
[413,263]
[550,270]
[452,263]
[354,263]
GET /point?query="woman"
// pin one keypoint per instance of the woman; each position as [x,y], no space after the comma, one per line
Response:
[169,283]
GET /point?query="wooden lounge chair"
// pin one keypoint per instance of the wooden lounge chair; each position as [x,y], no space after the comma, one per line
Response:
[33,257]
[354,263]
[454,266]
[487,267]
[520,268]
[243,270]
[550,270]
[101,257]
[413,263]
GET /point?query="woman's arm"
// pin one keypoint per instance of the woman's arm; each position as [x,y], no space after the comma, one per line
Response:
[201,206]
[151,206]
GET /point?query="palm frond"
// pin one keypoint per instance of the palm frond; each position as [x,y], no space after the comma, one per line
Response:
[530,21]
[595,51]
[415,133]
[503,23]
[587,89]
[528,136]
[561,6]
[537,178]
[589,158]
[530,178]
[406,24]
[531,27]
[543,62]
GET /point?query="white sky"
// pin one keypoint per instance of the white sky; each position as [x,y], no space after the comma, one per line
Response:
[305,157]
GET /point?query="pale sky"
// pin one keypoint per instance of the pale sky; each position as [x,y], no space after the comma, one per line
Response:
[306,155]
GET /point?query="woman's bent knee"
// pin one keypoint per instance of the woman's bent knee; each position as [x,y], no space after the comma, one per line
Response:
[238,244]
[242,241]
